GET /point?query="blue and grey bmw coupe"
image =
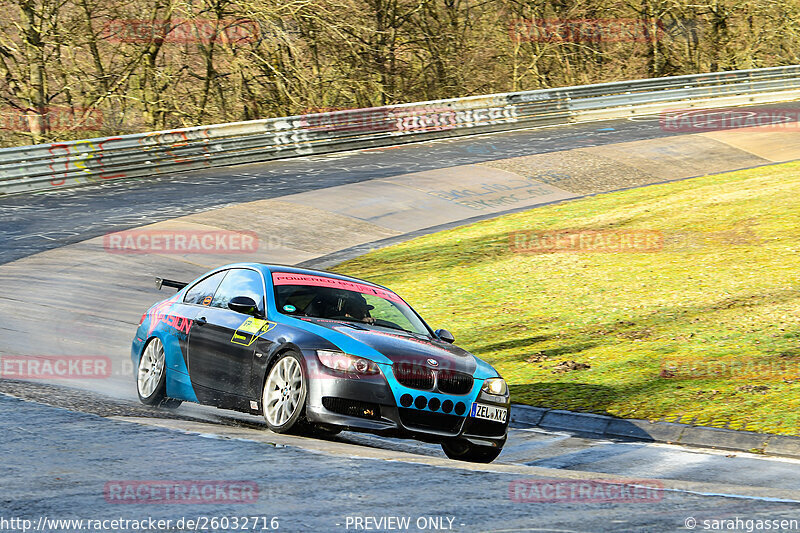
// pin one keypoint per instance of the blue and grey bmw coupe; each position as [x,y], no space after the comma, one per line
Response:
[311,350]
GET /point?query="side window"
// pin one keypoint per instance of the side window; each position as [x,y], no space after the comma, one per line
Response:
[240,282]
[202,291]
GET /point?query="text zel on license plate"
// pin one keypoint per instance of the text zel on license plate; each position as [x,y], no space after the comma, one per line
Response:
[488,412]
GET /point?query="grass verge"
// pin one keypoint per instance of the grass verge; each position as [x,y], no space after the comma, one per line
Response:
[697,321]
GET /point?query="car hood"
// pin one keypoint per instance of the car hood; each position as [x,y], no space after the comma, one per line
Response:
[401,347]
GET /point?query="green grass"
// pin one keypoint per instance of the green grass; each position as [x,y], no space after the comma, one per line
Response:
[718,305]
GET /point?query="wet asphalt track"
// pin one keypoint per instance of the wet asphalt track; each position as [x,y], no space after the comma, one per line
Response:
[526,446]
[64,464]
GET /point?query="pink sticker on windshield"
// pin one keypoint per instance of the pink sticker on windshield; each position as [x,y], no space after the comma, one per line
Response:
[286,278]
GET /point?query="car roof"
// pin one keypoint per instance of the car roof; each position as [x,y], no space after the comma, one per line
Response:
[269,268]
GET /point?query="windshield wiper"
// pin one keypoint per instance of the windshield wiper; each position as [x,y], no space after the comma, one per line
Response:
[359,324]
[351,325]
[398,328]
[355,324]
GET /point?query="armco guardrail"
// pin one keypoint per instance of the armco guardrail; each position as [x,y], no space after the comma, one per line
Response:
[48,166]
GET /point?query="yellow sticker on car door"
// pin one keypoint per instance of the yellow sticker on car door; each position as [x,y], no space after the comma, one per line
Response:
[250,330]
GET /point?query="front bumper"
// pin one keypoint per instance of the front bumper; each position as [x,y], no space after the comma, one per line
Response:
[373,404]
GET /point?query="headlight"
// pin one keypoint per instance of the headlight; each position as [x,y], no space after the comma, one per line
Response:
[496,386]
[346,363]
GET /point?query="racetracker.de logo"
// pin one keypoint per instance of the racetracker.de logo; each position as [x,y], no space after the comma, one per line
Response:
[697,368]
[599,30]
[700,120]
[55,367]
[180,242]
[584,491]
[57,118]
[586,241]
[180,492]
[374,119]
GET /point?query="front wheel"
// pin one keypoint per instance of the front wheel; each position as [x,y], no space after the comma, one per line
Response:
[284,397]
[463,450]
[151,377]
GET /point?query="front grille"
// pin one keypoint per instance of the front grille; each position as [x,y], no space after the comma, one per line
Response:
[427,420]
[352,407]
[452,382]
[414,376]
[485,428]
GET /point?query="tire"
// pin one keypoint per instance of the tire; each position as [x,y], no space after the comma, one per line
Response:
[151,377]
[463,450]
[283,399]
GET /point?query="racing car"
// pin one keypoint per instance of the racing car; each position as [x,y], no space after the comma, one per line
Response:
[315,351]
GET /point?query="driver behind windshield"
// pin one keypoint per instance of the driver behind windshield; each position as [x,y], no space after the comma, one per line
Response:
[334,303]
[337,304]
[356,307]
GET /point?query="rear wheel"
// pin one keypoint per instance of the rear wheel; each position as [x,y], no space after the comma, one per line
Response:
[151,377]
[284,397]
[463,450]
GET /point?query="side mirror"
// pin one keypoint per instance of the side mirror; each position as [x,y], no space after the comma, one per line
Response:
[445,335]
[244,304]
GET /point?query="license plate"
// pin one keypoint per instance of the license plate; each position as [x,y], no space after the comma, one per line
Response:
[489,412]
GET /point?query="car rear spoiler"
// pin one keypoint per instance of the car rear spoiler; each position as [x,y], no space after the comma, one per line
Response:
[161,282]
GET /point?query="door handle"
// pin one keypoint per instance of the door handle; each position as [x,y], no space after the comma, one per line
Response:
[201,320]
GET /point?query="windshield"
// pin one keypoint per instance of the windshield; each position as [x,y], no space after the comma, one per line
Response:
[347,301]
